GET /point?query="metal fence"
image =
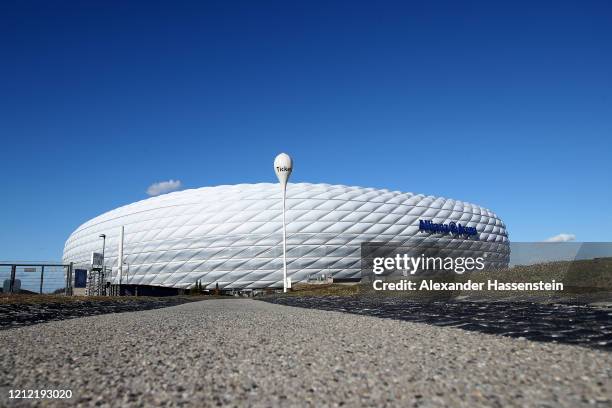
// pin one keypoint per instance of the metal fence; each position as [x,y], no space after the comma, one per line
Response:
[36,277]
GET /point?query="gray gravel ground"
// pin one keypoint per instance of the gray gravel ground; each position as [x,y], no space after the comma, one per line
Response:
[246,352]
[15,314]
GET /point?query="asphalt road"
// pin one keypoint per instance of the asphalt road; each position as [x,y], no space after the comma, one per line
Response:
[246,352]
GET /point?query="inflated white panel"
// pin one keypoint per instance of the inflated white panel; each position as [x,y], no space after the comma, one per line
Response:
[231,235]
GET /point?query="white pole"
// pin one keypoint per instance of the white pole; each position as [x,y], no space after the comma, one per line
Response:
[284,243]
[120,257]
[283,166]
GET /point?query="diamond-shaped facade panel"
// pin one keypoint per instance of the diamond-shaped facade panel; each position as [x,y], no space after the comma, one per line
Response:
[232,235]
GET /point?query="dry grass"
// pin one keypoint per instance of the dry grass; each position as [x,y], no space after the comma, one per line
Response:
[587,279]
[61,299]
[326,289]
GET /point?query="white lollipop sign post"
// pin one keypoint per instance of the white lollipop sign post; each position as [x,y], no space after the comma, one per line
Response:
[283,165]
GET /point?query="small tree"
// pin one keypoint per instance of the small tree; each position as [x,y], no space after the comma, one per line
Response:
[197,288]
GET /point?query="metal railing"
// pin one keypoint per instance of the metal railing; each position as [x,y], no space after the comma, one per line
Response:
[37,277]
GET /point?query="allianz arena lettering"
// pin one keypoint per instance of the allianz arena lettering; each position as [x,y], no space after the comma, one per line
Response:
[231,236]
[450,228]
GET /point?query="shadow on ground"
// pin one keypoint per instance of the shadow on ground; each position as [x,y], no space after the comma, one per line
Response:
[561,323]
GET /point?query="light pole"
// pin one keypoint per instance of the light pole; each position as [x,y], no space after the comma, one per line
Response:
[120,258]
[283,165]
[103,236]
[101,283]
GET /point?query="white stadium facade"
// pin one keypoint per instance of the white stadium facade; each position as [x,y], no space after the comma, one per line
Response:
[231,236]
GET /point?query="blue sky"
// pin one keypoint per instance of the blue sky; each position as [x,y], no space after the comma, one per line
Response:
[508,105]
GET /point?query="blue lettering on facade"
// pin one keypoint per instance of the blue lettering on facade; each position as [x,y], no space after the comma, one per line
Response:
[450,228]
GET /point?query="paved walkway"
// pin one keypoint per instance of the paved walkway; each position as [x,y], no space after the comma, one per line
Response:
[246,352]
